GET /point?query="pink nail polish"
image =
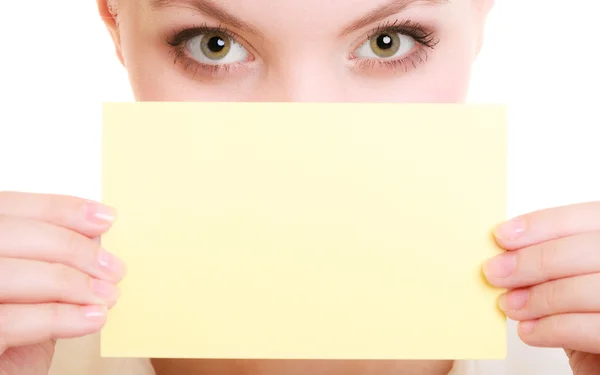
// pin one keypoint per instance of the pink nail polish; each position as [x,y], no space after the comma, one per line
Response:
[100,214]
[105,290]
[514,301]
[526,328]
[111,265]
[95,313]
[500,266]
[510,230]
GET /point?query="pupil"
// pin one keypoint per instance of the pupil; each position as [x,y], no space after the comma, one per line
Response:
[384,41]
[216,44]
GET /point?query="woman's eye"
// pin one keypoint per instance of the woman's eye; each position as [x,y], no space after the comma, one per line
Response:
[215,48]
[386,45]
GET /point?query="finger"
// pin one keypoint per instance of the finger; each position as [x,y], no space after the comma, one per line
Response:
[536,264]
[54,244]
[571,295]
[545,225]
[86,217]
[28,281]
[22,325]
[570,331]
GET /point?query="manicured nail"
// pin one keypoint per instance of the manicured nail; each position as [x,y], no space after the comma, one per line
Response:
[94,312]
[513,301]
[500,266]
[108,292]
[526,328]
[110,264]
[510,230]
[99,213]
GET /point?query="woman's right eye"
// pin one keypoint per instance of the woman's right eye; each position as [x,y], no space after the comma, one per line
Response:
[215,48]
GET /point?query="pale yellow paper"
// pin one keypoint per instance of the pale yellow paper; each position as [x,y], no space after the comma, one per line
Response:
[304,230]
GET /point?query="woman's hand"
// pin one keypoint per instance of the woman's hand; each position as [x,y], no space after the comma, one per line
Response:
[552,272]
[55,280]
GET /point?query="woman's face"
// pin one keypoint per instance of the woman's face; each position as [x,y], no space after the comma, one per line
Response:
[297,50]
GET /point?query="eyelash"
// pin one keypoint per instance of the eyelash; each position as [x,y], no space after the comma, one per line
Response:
[177,42]
[424,38]
[404,64]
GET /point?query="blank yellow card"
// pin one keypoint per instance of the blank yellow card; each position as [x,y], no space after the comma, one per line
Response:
[322,231]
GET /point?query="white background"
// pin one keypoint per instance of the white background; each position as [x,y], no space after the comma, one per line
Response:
[540,56]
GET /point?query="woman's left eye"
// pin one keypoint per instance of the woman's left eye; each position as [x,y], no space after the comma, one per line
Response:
[388,45]
[215,48]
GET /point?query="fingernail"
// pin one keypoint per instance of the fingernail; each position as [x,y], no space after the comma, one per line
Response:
[99,213]
[500,266]
[110,264]
[527,327]
[510,230]
[94,312]
[106,291]
[513,301]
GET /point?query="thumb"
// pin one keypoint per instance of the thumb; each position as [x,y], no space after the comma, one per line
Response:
[583,363]
[27,360]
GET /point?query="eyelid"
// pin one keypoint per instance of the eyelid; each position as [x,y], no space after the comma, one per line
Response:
[406,27]
[183,34]
[424,37]
[177,40]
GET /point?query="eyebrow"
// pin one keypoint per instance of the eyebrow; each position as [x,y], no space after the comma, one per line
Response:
[386,10]
[209,9]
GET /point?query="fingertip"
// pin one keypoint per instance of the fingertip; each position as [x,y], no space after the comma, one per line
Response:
[92,319]
[99,214]
[111,265]
[96,219]
[506,234]
[95,313]
[113,302]
[526,328]
[498,269]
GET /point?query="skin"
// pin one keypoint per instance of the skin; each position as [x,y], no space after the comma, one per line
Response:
[299,58]
[56,281]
